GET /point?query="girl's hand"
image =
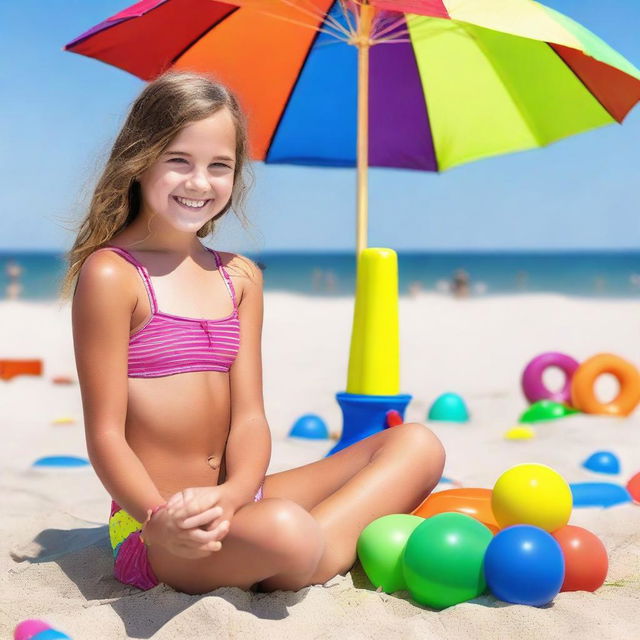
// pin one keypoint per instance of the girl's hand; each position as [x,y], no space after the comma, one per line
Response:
[192,543]
[207,508]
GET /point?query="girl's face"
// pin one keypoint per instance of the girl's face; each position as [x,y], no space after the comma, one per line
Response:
[192,180]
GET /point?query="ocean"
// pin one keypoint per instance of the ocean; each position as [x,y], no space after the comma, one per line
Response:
[590,274]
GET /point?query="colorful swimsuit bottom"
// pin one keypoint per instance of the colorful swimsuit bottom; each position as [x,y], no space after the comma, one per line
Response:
[131,564]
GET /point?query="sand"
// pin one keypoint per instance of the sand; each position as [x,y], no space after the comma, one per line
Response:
[55,559]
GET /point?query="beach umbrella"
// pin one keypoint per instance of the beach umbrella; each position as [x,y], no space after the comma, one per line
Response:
[415,84]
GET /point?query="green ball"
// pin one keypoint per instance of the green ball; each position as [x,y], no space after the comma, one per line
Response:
[380,548]
[443,560]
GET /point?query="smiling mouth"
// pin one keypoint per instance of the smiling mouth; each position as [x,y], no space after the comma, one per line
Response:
[188,203]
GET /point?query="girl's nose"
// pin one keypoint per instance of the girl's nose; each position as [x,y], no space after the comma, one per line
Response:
[198,182]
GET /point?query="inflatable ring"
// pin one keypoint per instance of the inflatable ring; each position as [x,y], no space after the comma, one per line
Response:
[532,385]
[582,391]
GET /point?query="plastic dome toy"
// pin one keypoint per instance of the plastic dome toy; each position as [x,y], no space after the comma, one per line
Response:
[603,462]
[545,410]
[449,407]
[309,426]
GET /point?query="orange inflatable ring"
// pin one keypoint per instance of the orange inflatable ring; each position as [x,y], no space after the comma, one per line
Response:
[472,501]
[582,385]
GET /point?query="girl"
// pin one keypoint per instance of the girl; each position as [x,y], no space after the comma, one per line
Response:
[167,343]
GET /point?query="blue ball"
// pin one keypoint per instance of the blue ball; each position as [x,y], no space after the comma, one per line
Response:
[310,426]
[524,565]
[602,462]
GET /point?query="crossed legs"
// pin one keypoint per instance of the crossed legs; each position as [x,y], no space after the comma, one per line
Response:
[390,472]
[306,528]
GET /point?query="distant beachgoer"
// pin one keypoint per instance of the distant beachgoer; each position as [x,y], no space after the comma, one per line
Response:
[14,288]
[330,281]
[522,279]
[415,289]
[599,284]
[193,506]
[317,276]
[460,284]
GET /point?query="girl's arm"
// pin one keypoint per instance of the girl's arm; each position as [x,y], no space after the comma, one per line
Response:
[249,444]
[101,314]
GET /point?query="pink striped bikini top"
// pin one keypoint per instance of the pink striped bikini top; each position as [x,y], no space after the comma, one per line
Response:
[167,344]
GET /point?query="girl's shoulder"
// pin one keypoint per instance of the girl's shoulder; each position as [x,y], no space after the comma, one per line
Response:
[105,277]
[240,266]
[244,272]
[107,263]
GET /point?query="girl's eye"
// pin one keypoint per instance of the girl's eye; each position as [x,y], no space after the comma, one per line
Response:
[177,160]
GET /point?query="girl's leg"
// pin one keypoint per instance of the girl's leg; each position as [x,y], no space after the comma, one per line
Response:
[274,541]
[388,472]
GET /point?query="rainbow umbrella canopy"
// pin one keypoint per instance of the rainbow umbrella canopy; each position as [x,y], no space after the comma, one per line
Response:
[414,84]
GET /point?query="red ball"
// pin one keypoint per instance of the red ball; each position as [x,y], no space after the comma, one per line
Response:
[633,487]
[394,419]
[585,558]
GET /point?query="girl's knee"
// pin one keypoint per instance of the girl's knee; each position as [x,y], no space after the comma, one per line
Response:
[293,533]
[425,443]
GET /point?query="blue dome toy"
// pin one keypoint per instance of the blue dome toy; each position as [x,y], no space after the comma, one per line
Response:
[310,426]
[598,494]
[449,407]
[61,461]
[602,462]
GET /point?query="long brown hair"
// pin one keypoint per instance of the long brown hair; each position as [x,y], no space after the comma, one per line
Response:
[165,106]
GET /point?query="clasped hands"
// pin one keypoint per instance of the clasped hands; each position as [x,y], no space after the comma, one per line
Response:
[194,521]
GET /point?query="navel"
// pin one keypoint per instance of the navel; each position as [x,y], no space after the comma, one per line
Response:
[214,463]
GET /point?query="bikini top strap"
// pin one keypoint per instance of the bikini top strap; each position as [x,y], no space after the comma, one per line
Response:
[142,270]
[227,279]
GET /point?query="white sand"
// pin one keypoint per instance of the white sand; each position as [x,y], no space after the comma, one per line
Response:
[56,563]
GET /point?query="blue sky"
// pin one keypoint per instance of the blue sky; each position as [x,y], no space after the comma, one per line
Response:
[60,112]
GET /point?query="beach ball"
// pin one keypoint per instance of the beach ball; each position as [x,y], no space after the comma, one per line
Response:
[602,462]
[585,559]
[449,407]
[37,630]
[443,560]
[532,494]
[380,548]
[633,487]
[524,565]
[26,629]
[309,426]
[471,501]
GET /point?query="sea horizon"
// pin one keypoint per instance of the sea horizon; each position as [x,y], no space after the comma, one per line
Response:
[579,272]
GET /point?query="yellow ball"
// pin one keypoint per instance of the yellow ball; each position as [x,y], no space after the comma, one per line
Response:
[532,494]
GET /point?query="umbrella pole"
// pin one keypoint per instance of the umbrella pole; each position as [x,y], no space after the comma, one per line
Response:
[363,44]
[373,378]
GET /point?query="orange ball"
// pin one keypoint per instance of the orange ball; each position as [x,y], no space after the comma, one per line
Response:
[585,559]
